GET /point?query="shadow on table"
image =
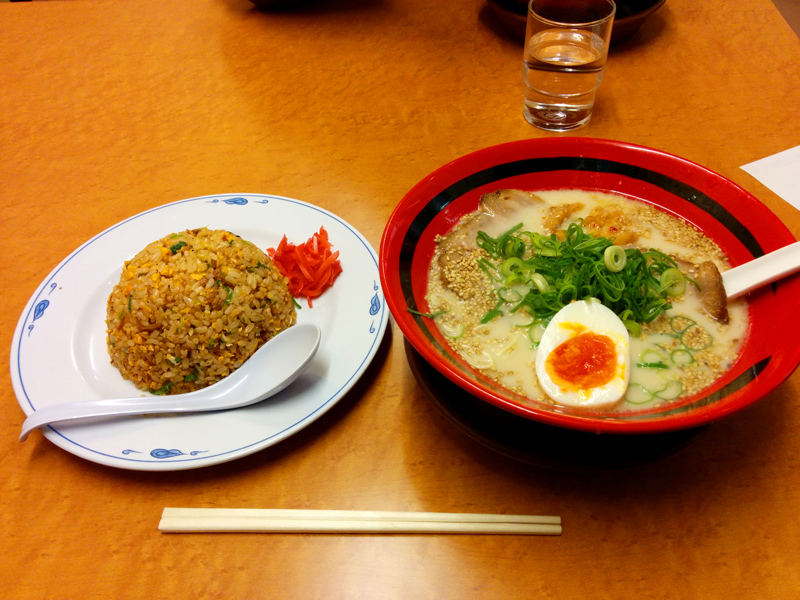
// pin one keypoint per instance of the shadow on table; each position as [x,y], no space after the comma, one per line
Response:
[300,6]
[272,454]
[538,443]
[745,445]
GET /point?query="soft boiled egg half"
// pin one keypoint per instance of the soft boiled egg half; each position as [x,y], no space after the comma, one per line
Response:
[583,358]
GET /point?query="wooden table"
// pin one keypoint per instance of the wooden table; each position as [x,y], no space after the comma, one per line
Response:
[112,108]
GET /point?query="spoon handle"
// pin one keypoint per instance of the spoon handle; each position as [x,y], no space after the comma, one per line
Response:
[274,366]
[762,270]
[96,408]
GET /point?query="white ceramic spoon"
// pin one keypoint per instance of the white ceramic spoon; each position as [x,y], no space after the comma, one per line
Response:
[762,270]
[273,367]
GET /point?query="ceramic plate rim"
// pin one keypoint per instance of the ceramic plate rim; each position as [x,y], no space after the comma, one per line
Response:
[311,387]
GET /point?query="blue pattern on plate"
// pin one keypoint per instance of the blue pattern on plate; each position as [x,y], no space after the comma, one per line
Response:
[38,311]
[238,201]
[164,453]
[40,308]
[374,305]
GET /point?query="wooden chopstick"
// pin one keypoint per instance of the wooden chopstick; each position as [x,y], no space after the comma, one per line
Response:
[188,520]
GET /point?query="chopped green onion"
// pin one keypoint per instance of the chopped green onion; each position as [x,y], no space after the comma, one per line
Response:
[672,390]
[178,246]
[567,294]
[653,365]
[696,338]
[164,389]
[681,357]
[634,329]
[650,356]
[680,323]
[492,314]
[535,333]
[490,270]
[673,282]
[638,394]
[614,258]
[504,245]
[540,283]
[512,266]
[509,295]
[628,281]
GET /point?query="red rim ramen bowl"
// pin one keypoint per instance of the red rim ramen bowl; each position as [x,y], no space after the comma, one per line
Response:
[741,225]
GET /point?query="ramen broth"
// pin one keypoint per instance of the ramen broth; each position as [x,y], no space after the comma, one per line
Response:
[677,355]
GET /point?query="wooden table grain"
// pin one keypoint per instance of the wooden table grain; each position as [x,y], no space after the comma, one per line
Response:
[112,108]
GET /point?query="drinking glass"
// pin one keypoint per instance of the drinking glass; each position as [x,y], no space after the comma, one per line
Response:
[566,47]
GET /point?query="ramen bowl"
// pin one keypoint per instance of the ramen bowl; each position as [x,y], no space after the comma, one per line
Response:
[741,225]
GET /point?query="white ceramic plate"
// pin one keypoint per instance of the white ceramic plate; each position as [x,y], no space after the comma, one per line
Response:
[59,354]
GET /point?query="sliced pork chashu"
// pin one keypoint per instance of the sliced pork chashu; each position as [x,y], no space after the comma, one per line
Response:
[457,249]
[713,297]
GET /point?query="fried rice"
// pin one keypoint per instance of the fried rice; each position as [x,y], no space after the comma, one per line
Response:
[191,308]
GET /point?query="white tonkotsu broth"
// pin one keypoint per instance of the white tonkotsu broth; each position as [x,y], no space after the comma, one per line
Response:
[505,350]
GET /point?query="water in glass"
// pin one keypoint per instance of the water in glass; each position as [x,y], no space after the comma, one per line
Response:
[562,70]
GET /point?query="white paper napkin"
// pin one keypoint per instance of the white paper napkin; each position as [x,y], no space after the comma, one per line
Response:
[780,173]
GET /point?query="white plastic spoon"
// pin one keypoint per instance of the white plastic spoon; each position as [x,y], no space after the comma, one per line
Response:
[762,270]
[273,367]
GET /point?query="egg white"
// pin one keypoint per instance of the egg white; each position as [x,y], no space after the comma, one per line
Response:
[596,318]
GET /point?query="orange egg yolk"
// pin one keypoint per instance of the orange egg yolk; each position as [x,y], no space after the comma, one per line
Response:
[585,361]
